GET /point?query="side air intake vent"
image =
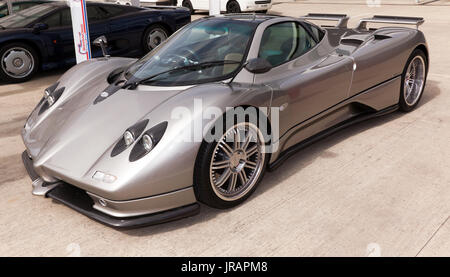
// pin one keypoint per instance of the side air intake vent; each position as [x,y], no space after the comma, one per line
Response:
[351,41]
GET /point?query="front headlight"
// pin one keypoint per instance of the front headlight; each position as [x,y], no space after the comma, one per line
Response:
[129,137]
[51,95]
[148,141]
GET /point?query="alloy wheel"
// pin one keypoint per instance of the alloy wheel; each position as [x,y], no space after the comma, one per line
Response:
[237,161]
[17,62]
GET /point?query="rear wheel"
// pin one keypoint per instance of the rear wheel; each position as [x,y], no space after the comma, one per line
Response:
[154,36]
[188,4]
[233,7]
[18,62]
[228,170]
[413,80]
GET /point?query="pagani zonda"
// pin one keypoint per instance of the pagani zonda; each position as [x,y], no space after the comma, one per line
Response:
[117,139]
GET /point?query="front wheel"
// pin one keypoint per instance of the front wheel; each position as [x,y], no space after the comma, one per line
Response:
[228,170]
[413,80]
[19,62]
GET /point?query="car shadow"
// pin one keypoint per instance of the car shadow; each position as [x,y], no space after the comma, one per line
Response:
[292,165]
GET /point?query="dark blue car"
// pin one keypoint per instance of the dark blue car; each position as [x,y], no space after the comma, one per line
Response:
[41,37]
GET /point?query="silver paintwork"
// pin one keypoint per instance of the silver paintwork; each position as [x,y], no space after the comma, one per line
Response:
[73,139]
[142,206]
[40,188]
[17,62]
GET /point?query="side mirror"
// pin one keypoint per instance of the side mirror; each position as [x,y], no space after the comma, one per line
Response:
[39,27]
[102,42]
[258,65]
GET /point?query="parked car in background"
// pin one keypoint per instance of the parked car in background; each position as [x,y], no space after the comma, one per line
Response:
[149,2]
[229,6]
[18,6]
[41,37]
[160,2]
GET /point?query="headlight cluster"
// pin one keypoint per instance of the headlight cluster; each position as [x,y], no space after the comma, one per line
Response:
[145,144]
[148,141]
[129,136]
[51,95]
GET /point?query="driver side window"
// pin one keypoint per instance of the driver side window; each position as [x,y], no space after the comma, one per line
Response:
[53,20]
[283,42]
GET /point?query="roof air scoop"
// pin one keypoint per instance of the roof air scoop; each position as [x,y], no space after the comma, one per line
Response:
[352,41]
[380,37]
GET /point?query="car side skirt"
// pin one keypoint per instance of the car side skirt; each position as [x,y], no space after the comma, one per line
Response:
[307,142]
[373,102]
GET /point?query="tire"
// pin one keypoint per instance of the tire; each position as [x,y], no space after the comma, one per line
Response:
[188,4]
[18,62]
[233,7]
[159,34]
[212,165]
[413,81]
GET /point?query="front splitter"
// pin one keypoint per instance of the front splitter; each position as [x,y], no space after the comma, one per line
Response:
[80,201]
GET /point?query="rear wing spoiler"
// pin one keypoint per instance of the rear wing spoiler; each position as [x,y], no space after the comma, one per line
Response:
[391,20]
[342,19]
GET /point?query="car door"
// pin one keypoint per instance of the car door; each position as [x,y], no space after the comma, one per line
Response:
[305,79]
[59,37]
[98,26]
[124,36]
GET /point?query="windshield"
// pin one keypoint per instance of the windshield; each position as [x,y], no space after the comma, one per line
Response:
[220,44]
[23,18]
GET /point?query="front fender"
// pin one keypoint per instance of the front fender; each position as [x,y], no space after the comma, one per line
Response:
[170,165]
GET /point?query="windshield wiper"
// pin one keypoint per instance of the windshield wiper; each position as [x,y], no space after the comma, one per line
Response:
[132,84]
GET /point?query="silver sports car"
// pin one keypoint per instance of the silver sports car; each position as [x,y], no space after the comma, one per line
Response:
[200,118]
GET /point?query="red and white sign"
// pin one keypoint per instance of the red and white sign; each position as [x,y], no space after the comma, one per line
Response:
[80,30]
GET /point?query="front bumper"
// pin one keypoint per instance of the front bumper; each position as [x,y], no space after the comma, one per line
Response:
[84,203]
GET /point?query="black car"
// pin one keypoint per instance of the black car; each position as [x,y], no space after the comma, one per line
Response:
[41,37]
[18,6]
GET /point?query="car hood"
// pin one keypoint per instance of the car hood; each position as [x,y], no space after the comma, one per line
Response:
[75,132]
